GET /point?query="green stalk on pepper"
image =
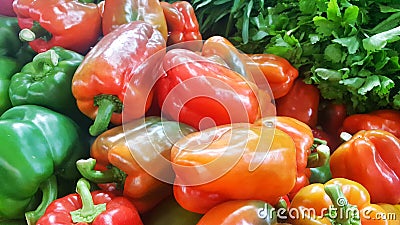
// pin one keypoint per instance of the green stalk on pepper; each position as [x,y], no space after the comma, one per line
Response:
[38,151]
[46,81]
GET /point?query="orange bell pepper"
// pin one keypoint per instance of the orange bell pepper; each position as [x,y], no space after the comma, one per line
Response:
[233,162]
[278,71]
[338,201]
[115,168]
[303,138]
[371,158]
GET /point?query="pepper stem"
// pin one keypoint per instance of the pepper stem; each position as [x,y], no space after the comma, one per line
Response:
[345,136]
[318,158]
[49,190]
[45,61]
[107,105]
[342,212]
[112,175]
[89,210]
[36,31]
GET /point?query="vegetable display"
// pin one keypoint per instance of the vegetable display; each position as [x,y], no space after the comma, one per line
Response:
[200,112]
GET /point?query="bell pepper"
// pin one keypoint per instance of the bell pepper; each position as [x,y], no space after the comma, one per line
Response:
[203,94]
[331,117]
[116,68]
[322,173]
[118,12]
[181,21]
[301,102]
[240,212]
[9,41]
[338,201]
[392,213]
[46,81]
[377,167]
[384,119]
[6,8]
[69,24]
[85,207]
[39,149]
[211,166]
[8,67]
[277,70]
[128,154]
[305,144]
[170,212]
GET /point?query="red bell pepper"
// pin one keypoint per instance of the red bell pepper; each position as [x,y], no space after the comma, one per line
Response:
[385,119]
[69,24]
[181,21]
[301,102]
[116,68]
[371,158]
[196,88]
[118,12]
[331,117]
[96,208]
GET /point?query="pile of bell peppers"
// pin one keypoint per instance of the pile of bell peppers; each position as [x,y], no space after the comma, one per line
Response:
[118,112]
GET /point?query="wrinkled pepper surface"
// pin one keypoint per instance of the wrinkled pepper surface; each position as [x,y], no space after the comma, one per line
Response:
[70,24]
[240,212]
[113,69]
[46,81]
[196,88]
[338,201]
[277,70]
[301,102]
[377,167]
[170,212]
[385,119]
[8,67]
[39,149]
[217,165]
[181,21]
[118,12]
[112,153]
[85,207]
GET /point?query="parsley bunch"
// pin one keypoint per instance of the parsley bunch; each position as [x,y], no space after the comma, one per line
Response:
[348,48]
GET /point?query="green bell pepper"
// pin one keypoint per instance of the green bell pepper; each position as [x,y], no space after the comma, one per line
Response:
[170,212]
[8,67]
[39,148]
[46,81]
[9,39]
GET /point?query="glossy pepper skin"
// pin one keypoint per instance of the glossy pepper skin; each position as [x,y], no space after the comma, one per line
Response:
[170,212]
[113,150]
[85,207]
[118,12]
[46,81]
[9,41]
[181,21]
[344,196]
[303,139]
[8,67]
[40,147]
[278,71]
[378,162]
[301,102]
[385,119]
[240,212]
[49,23]
[6,8]
[195,88]
[103,79]
[274,173]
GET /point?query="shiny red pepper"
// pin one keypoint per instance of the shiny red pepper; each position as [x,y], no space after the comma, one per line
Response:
[69,24]
[301,102]
[109,73]
[96,208]
[181,21]
[385,119]
[202,93]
